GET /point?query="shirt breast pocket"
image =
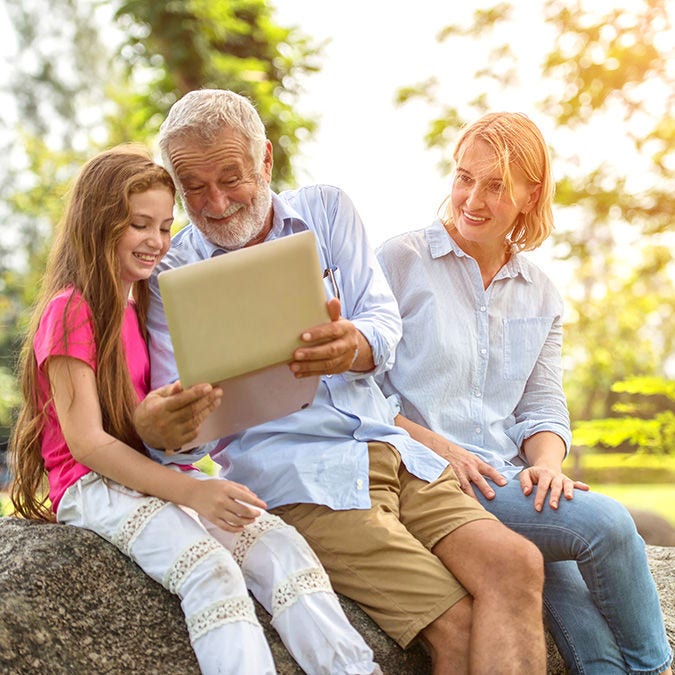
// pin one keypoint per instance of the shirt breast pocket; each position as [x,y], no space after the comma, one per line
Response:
[332,283]
[523,339]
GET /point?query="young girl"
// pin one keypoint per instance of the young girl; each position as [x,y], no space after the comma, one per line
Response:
[84,369]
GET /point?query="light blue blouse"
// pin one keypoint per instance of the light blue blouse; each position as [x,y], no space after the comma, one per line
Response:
[482,367]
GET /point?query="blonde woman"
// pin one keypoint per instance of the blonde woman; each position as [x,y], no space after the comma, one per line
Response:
[478,378]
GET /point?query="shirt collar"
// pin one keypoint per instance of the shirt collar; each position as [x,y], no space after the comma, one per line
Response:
[285,220]
[441,244]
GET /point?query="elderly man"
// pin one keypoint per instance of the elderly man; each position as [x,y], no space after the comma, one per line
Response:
[384,514]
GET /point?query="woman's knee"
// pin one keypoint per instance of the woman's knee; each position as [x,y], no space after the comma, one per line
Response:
[603,521]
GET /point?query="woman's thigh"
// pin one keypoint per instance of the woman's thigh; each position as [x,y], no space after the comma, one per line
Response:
[589,519]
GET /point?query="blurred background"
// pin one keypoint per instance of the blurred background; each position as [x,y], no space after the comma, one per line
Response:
[369,95]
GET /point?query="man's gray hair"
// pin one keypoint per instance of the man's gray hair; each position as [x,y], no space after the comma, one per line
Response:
[201,115]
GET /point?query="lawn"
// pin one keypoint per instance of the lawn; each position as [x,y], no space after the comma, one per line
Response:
[657,497]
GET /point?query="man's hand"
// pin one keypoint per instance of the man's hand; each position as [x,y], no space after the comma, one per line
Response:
[333,347]
[170,416]
[227,504]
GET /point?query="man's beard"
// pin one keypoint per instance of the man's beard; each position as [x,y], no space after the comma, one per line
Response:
[243,226]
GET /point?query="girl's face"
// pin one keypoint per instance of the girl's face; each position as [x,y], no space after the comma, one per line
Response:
[147,238]
[483,211]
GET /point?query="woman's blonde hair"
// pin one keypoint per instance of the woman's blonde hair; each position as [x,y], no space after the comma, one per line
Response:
[516,141]
[84,257]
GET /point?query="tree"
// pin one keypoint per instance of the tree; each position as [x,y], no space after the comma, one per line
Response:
[92,73]
[232,44]
[639,421]
[615,197]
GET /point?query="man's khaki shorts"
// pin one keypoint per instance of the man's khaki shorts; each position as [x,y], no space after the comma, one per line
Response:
[381,557]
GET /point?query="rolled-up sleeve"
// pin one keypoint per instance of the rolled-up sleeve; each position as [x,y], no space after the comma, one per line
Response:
[542,406]
[366,298]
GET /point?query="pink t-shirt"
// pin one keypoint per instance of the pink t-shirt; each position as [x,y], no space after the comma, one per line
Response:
[62,469]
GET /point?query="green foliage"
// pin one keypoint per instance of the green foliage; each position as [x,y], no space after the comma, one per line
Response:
[93,73]
[640,423]
[614,218]
[231,44]
[9,396]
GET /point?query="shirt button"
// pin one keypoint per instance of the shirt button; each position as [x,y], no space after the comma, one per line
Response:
[477,394]
[477,430]
[483,351]
[359,484]
[482,308]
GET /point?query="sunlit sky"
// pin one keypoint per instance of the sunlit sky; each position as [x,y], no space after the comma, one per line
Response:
[365,143]
[375,150]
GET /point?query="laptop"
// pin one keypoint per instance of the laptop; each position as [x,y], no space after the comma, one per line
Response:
[235,321]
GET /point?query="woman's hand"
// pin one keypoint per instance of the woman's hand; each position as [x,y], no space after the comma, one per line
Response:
[469,468]
[551,481]
[225,503]
[545,452]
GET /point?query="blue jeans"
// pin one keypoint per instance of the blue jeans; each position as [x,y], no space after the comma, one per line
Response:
[601,603]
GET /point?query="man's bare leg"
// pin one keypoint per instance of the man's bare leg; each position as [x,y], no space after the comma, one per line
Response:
[504,574]
[448,639]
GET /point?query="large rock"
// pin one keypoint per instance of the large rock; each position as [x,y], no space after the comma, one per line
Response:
[71,603]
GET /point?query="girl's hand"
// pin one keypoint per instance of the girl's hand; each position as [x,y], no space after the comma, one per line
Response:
[547,479]
[225,503]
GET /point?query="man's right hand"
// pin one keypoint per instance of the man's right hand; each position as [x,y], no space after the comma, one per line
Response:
[170,416]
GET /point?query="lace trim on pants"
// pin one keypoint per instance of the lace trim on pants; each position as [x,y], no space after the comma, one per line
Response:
[133,524]
[249,535]
[188,559]
[312,580]
[222,612]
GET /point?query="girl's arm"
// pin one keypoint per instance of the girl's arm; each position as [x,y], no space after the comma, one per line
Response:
[73,385]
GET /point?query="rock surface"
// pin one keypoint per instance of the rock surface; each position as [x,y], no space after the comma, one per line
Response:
[71,603]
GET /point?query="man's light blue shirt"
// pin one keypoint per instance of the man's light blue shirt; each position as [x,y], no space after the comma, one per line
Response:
[480,366]
[320,454]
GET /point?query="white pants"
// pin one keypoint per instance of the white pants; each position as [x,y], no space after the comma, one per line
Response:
[210,570]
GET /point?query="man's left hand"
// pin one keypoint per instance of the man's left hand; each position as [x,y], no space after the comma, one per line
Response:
[333,347]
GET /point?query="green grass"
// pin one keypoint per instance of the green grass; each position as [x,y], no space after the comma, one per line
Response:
[657,497]
[5,504]
[603,460]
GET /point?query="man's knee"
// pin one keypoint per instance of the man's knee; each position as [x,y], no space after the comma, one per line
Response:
[485,555]
[525,563]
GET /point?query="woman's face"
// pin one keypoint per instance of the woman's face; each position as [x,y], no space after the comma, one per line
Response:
[483,211]
[147,238]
